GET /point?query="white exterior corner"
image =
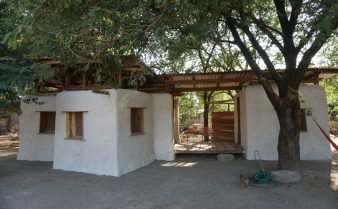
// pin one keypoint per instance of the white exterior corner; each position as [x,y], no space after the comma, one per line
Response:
[97,152]
[260,126]
[134,151]
[35,146]
[163,127]
[108,147]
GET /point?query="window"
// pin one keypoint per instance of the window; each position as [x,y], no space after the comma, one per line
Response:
[303,125]
[136,120]
[47,122]
[74,128]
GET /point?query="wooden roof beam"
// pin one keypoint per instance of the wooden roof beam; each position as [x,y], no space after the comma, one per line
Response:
[179,90]
[88,87]
[224,80]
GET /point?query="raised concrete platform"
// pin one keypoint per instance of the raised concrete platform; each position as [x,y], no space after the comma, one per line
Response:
[207,148]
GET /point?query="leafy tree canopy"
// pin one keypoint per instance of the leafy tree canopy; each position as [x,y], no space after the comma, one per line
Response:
[13,74]
[17,73]
[81,29]
[269,34]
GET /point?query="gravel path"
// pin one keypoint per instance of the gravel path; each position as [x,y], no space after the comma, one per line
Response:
[188,182]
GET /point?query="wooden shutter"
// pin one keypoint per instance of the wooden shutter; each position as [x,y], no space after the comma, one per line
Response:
[136,120]
[79,124]
[47,122]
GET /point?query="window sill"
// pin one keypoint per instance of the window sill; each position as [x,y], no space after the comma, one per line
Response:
[75,139]
[136,134]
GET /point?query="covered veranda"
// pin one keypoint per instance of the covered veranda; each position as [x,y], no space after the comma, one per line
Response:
[224,137]
[228,140]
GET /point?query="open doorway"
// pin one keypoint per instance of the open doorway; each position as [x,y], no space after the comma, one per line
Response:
[196,136]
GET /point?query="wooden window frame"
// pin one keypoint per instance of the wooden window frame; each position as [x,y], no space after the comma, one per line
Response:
[47,122]
[74,125]
[136,121]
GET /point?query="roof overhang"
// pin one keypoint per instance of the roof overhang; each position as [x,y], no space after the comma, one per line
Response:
[234,80]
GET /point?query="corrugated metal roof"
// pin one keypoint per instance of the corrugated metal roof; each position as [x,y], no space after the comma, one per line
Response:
[178,83]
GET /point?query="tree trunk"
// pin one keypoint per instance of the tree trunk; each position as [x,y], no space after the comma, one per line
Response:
[288,113]
[206,116]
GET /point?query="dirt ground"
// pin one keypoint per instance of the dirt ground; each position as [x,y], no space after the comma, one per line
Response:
[188,182]
[7,147]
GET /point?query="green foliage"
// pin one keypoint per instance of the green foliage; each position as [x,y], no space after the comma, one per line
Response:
[331,89]
[190,105]
[177,35]
[82,29]
[17,78]
[14,75]
[136,78]
[329,56]
[17,74]
[182,35]
[221,96]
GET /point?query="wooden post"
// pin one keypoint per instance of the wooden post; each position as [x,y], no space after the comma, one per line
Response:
[317,78]
[239,140]
[84,80]
[67,79]
[176,128]
[119,79]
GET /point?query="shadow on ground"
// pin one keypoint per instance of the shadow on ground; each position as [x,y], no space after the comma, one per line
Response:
[188,182]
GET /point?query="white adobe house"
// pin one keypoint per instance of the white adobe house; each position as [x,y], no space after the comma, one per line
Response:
[122,130]
[103,141]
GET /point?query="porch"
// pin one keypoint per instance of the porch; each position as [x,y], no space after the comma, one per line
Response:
[209,147]
[195,144]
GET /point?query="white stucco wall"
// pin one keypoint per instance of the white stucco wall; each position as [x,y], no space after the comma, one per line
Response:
[236,119]
[134,151]
[33,145]
[163,127]
[260,127]
[97,153]
[313,144]
[108,147]
[243,121]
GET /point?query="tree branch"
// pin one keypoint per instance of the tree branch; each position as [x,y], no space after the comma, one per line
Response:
[266,29]
[262,23]
[210,95]
[206,61]
[306,39]
[281,13]
[270,93]
[219,39]
[244,49]
[287,30]
[210,53]
[319,41]
[296,6]
[227,41]
[314,29]
[250,60]
[264,56]
[228,92]
[202,60]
